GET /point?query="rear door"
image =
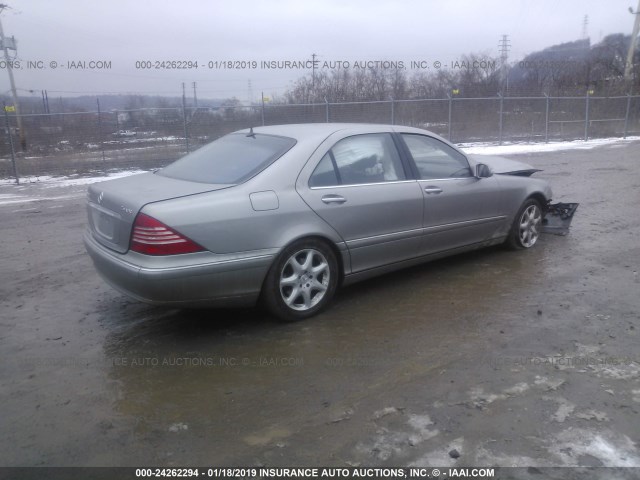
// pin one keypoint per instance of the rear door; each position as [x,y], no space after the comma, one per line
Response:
[360,188]
[459,209]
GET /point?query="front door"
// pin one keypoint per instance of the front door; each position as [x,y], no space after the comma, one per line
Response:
[459,209]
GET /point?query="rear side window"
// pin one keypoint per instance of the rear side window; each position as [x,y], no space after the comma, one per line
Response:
[231,159]
[360,159]
[325,174]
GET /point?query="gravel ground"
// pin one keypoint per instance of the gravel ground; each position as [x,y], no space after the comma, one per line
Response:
[509,358]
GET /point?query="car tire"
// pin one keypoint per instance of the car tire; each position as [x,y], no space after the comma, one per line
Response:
[302,280]
[526,227]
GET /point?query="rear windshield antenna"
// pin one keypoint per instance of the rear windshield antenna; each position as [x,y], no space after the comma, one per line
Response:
[251,134]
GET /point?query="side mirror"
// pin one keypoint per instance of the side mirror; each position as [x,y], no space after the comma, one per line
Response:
[483,171]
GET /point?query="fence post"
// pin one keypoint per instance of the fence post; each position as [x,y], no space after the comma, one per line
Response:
[13,151]
[326,103]
[100,131]
[546,119]
[450,109]
[500,122]
[262,100]
[393,113]
[586,118]
[626,116]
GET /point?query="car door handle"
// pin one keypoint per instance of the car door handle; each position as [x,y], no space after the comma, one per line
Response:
[431,190]
[333,199]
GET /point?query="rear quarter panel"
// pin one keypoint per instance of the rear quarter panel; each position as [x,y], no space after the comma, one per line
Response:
[227,222]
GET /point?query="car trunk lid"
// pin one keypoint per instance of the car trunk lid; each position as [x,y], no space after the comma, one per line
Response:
[114,204]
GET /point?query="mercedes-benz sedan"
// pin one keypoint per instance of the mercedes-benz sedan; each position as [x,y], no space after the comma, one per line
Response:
[285,214]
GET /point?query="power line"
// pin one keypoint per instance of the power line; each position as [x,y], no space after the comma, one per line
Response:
[313,72]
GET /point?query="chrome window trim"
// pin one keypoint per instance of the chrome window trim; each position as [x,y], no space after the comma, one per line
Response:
[444,179]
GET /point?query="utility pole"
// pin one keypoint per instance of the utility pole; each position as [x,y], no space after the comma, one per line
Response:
[505,45]
[6,45]
[632,45]
[184,117]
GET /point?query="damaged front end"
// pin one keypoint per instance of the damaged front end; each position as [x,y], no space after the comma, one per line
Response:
[558,216]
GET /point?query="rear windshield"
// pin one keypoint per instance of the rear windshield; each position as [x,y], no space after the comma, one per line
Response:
[231,159]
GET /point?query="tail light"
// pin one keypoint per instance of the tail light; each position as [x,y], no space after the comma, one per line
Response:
[153,237]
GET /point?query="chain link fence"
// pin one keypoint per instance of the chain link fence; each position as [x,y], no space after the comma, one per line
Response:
[87,142]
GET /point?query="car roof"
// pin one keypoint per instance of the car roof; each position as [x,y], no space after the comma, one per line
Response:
[322,130]
[312,134]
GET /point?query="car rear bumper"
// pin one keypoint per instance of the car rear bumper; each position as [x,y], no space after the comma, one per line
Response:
[191,280]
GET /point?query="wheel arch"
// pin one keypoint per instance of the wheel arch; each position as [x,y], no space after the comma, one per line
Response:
[512,241]
[540,198]
[318,237]
[268,297]
[334,248]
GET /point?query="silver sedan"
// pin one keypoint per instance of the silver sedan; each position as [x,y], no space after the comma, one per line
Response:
[283,215]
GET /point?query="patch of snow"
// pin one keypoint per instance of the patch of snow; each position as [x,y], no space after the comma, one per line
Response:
[593,415]
[488,148]
[613,449]
[27,199]
[421,424]
[550,385]
[440,456]
[485,457]
[89,180]
[619,372]
[586,350]
[71,180]
[516,389]
[274,433]
[177,427]
[480,398]
[5,196]
[384,412]
[388,443]
[565,408]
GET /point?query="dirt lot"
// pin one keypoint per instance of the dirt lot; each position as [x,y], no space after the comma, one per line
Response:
[510,358]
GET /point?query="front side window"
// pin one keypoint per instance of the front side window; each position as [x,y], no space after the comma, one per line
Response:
[360,159]
[436,159]
[231,159]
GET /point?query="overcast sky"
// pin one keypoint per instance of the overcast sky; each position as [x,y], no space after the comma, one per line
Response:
[124,32]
